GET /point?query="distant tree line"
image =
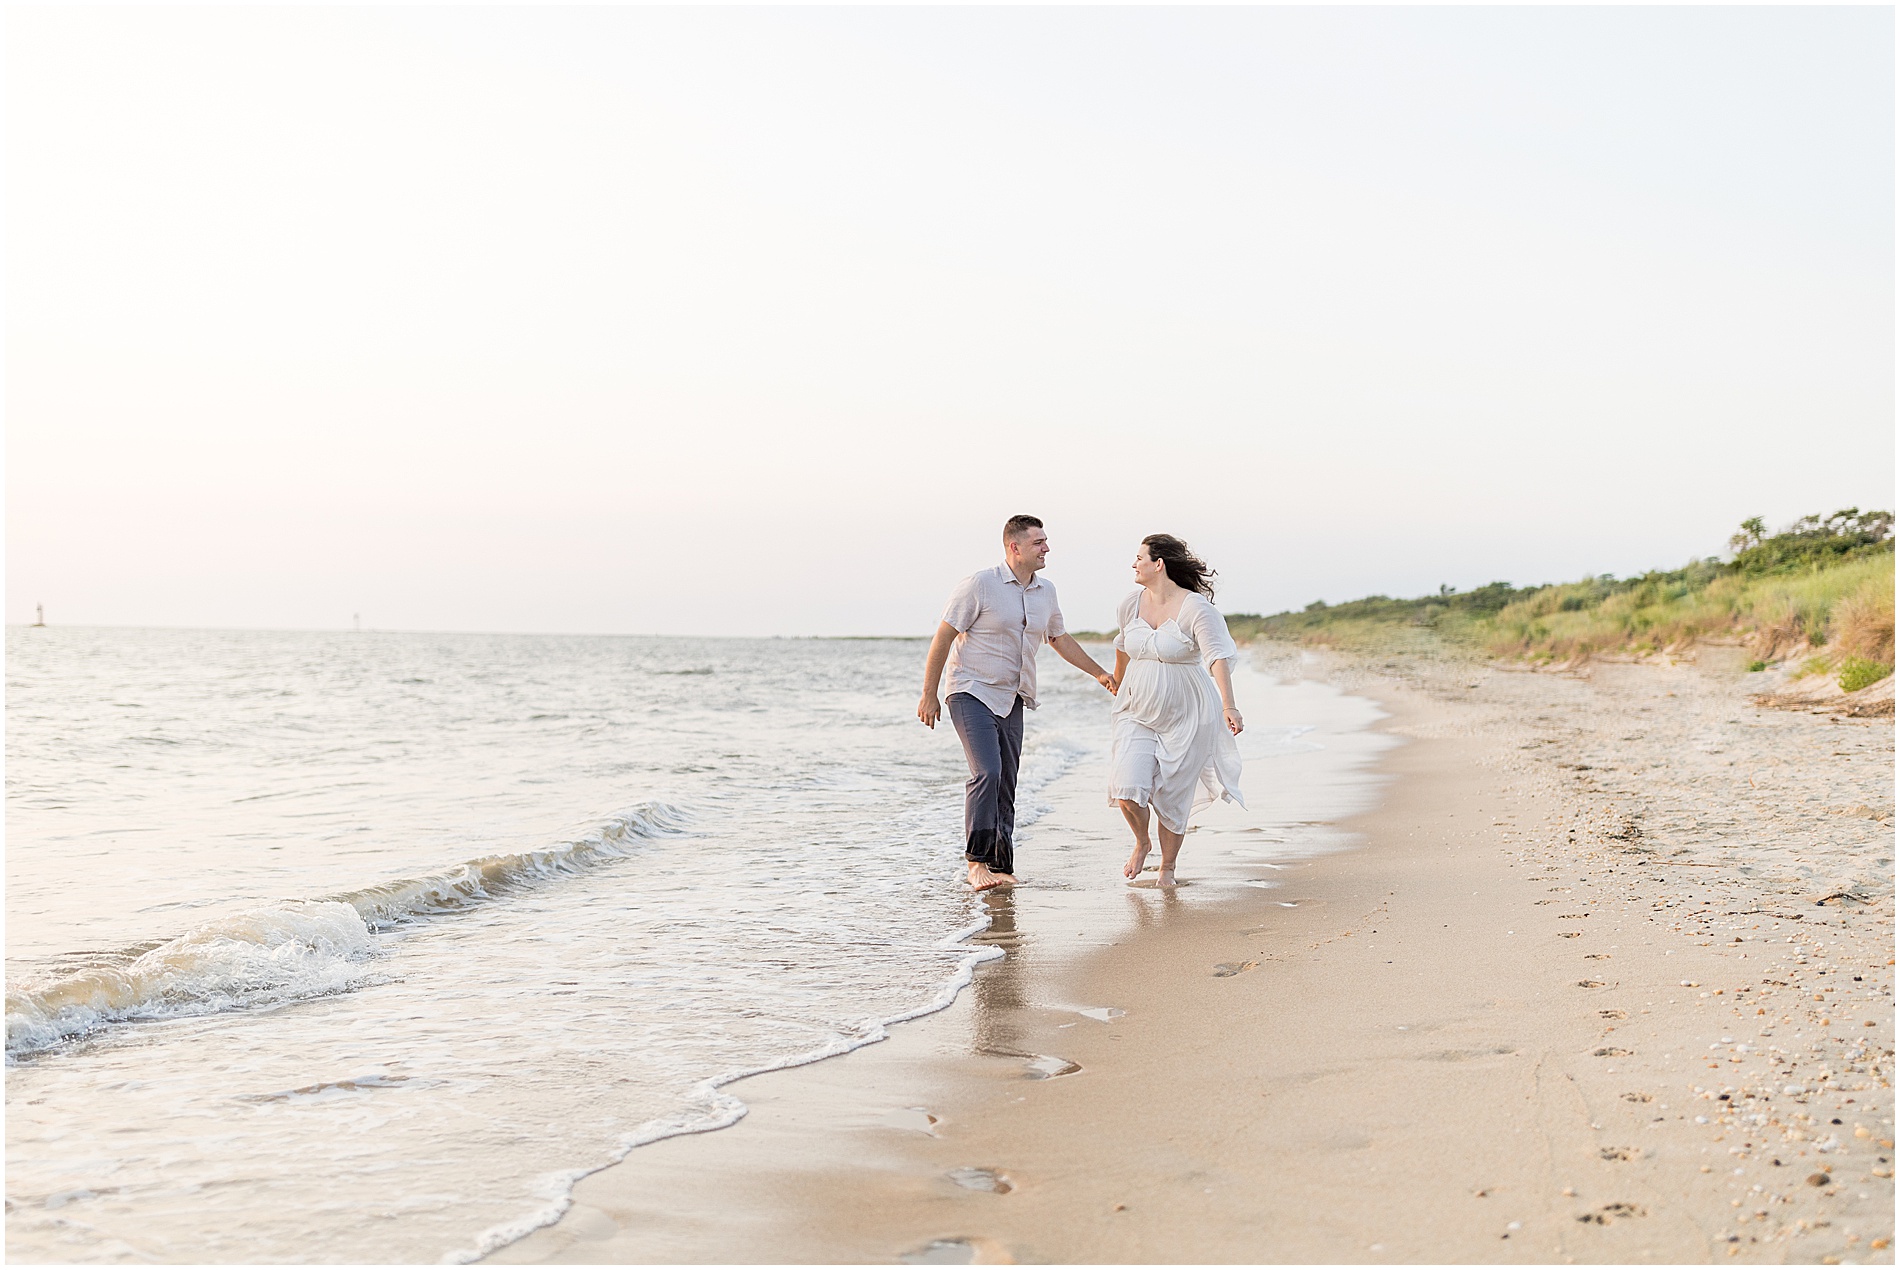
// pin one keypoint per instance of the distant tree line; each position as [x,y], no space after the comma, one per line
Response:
[1810,541]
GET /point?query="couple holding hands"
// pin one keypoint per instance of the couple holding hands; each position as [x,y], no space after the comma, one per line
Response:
[1174,721]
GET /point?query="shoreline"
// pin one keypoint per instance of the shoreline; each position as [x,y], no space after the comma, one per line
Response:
[1483,1035]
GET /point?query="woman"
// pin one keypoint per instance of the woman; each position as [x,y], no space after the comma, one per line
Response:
[1174,725]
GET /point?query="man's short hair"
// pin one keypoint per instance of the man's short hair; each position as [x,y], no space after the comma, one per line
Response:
[1017,526]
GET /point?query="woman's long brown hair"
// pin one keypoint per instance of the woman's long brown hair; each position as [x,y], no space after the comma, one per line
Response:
[1185,569]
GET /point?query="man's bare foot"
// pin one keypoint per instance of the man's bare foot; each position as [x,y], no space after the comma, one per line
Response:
[1136,860]
[981,879]
[1165,877]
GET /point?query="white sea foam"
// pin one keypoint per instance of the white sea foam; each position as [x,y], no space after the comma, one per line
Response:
[297,950]
[288,952]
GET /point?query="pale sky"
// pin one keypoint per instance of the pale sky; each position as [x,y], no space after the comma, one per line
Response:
[761,321]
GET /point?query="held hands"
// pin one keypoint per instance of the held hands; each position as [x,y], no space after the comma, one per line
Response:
[1107,681]
[1232,717]
[929,710]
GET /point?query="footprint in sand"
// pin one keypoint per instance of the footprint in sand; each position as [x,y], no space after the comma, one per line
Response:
[912,1118]
[1465,1056]
[982,1180]
[958,1252]
[1613,1014]
[1616,1154]
[1048,1067]
[942,1252]
[1228,969]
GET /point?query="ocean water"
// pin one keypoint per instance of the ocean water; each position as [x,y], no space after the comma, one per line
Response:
[363,947]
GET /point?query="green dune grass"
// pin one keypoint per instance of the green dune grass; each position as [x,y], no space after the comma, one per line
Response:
[1822,587]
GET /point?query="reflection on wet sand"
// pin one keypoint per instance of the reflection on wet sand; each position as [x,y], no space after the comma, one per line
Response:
[1001,1008]
[996,1023]
[1147,907]
[1000,1014]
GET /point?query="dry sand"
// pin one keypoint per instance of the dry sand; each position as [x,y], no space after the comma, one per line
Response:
[1610,979]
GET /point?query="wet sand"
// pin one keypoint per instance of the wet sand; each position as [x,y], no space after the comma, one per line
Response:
[1608,978]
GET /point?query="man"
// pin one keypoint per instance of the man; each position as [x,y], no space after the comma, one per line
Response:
[991,629]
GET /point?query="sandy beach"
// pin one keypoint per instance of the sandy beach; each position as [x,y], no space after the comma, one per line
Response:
[1605,975]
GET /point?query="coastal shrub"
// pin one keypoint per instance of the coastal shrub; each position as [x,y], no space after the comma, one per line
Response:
[1755,666]
[1812,666]
[1790,609]
[1775,628]
[1820,582]
[1858,672]
[1863,622]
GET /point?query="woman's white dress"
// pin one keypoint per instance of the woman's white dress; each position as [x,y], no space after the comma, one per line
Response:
[1169,741]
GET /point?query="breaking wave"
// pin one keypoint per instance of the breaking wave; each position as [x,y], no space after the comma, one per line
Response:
[491,877]
[296,950]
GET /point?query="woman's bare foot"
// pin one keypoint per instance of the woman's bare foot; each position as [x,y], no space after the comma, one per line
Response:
[1007,879]
[981,879]
[1165,877]
[1136,859]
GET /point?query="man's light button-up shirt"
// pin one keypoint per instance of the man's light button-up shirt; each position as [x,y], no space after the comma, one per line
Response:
[1000,626]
